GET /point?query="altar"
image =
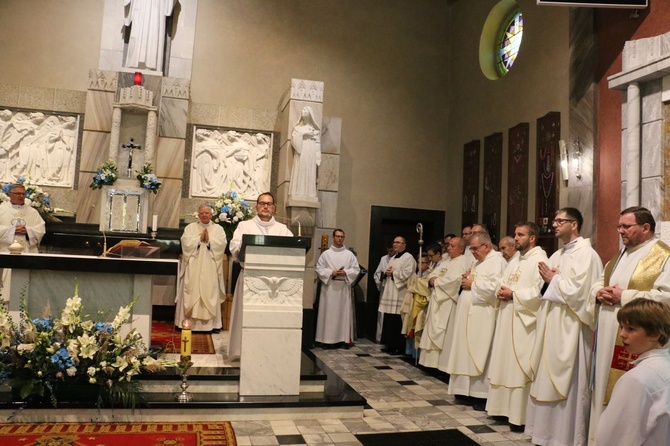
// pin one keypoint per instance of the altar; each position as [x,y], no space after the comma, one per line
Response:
[105,284]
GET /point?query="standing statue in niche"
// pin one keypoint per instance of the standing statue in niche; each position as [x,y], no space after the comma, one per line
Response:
[147,33]
[306,140]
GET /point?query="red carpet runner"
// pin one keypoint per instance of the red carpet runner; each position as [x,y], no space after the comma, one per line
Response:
[117,434]
[166,336]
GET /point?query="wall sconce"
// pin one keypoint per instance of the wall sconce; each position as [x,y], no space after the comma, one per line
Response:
[565,157]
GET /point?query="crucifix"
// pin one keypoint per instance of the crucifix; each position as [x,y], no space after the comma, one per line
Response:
[130,146]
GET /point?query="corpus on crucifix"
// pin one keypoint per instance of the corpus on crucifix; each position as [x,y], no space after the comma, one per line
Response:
[130,146]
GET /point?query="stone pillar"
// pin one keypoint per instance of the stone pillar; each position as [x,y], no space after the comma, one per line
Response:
[632,149]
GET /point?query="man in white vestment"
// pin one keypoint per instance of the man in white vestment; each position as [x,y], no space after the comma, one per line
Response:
[202,289]
[467,234]
[147,33]
[337,269]
[19,222]
[640,270]
[510,371]
[400,268]
[558,407]
[475,323]
[445,283]
[263,223]
[507,248]
[379,273]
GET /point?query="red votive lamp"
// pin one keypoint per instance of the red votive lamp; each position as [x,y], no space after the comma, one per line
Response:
[137,78]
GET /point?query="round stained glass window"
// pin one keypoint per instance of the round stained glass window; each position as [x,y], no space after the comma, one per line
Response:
[509,42]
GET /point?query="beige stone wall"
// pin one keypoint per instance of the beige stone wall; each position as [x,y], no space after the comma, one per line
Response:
[403,77]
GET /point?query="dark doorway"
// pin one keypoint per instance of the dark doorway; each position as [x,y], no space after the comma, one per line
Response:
[385,224]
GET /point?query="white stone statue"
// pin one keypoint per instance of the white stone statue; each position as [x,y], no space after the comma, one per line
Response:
[306,141]
[147,32]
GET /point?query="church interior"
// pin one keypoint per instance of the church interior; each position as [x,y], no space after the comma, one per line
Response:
[417,122]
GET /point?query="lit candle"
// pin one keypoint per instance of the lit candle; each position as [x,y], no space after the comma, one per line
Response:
[154,223]
[185,338]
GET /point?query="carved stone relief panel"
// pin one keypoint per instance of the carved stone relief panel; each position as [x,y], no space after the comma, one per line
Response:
[224,159]
[41,145]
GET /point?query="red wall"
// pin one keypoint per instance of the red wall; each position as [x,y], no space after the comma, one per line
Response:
[613,27]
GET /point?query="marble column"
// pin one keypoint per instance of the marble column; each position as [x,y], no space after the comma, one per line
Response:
[632,149]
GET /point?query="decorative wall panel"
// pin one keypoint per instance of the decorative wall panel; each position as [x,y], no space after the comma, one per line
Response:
[517,176]
[492,183]
[470,182]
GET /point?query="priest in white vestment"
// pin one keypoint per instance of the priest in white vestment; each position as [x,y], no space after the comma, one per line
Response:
[202,289]
[640,270]
[400,268]
[337,269]
[263,223]
[558,407]
[445,283]
[475,323]
[507,248]
[510,371]
[19,222]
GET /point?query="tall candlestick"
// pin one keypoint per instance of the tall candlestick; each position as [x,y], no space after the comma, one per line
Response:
[185,350]
[154,223]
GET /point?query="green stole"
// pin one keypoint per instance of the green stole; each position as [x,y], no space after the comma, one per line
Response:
[646,272]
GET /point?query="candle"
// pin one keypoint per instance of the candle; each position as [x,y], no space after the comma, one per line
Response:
[154,223]
[185,339]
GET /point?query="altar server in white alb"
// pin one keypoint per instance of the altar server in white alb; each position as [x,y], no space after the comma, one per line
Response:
[19,221]
[639,411]
[558,407]
[475,323]
[640,270]
[337,269]
[445,282]
[203,246]
[263,223]
[510,370]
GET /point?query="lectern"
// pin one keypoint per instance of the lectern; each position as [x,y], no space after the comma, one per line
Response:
[272,314]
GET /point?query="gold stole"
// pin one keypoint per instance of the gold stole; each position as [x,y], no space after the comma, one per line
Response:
[646,272]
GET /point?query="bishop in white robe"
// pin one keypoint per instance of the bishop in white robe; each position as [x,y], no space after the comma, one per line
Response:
[202,288]
[511,371]
[337,269]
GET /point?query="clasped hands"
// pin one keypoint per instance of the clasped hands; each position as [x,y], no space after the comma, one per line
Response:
[204,236]
[504,293]
[466,283]
[20,230]
[609,295]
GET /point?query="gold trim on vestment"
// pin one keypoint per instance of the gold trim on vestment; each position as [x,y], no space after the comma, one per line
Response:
[646,272]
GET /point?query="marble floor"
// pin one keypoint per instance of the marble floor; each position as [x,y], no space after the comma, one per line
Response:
[401,398]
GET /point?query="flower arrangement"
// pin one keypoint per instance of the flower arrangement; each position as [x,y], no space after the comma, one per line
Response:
[229,210]
[40,354]
[147,178]
[106,175]
[35,196]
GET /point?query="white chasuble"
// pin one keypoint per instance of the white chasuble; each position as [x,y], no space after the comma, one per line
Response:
[473,331]
[441,313]
[510,371]
[335,320]
[607,324]
[560,395]
[10,216]
[202,277]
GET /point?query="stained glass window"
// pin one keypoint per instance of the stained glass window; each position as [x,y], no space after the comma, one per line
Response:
[510,40]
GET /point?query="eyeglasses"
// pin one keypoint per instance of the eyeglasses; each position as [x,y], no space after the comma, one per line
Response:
[475,248]
[23,194]
[626,227]
[560,221]
[266,204]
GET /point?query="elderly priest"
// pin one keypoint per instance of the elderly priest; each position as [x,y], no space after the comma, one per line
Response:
[202,290]
[19,221]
